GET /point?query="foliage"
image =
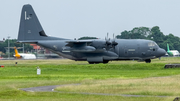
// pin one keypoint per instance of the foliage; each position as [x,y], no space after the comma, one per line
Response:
[135,33]
[12,43]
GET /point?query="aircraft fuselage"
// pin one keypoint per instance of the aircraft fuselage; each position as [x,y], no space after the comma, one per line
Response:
[126,49]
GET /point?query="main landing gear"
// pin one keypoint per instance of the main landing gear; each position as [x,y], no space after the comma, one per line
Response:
[104,62]
[148,60]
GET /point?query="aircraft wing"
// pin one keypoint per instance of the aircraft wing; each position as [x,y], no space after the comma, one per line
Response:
[78,42]
[81,46]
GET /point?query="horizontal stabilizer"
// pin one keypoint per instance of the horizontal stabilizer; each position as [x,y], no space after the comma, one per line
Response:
[29,41]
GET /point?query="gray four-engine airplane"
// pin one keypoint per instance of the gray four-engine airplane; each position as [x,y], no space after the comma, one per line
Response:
[93,51]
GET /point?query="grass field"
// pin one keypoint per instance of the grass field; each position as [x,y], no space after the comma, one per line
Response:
[116,81]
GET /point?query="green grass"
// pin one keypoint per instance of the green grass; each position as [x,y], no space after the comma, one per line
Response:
[118,77]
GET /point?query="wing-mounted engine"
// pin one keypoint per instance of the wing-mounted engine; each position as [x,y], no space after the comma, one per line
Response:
[78,46]
[106,44]
[110,44]
[99,44]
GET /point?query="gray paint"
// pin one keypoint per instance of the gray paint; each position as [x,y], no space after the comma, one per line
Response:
[93,51]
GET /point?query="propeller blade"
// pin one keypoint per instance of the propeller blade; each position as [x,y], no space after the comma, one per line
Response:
[113,35]
[107,35]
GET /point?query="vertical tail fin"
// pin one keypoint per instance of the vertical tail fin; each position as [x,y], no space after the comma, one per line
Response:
[17,55]
[167,47]
[30,27]
[16,51]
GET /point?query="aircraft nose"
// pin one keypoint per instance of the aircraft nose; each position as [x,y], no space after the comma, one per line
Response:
[160,52]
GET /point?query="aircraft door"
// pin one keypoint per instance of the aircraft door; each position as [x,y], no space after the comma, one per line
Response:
[125,51]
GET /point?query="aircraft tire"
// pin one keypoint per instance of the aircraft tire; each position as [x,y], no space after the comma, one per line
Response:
[105,61]
[148,60]
[91,62]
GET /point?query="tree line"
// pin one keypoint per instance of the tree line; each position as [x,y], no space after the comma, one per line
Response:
[13,43]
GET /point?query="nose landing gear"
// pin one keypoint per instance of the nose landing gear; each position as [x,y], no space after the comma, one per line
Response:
[148,60]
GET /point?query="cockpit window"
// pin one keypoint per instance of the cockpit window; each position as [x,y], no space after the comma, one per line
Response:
[150,44]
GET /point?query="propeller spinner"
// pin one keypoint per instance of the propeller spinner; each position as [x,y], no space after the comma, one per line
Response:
[110,44]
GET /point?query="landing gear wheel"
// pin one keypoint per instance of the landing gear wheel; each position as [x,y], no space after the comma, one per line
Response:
[105,61]
[148,60]
[91,62]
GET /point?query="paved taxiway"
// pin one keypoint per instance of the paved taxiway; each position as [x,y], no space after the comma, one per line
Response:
[51,89]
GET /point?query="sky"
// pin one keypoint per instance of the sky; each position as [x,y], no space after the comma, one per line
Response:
[95,18]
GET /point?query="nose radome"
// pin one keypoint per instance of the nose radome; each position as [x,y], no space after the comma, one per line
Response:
[160,52]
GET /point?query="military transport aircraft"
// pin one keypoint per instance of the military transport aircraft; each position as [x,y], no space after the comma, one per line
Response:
[93,51]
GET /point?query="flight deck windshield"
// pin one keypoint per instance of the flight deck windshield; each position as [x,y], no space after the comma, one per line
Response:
[152,44]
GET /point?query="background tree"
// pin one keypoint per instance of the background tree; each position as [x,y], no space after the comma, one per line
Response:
[135,33]
[156,34]
[124,35]
[13,43]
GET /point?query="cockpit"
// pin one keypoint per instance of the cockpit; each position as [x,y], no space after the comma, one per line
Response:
[152,44]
